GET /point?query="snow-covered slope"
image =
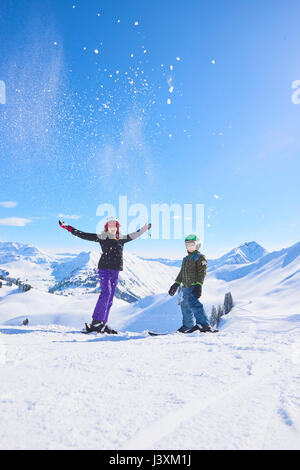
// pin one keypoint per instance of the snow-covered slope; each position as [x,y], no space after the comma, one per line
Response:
[43,308]
[246,376]
[267,280]
[233,390]
[266,286]
[31,264]
[270,283]
[270,262]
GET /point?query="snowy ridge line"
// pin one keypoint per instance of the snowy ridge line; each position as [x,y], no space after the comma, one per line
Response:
[155,432]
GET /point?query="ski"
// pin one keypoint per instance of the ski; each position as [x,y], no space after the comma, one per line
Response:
[150,333]
[154,333]
[89,330]
[84,332]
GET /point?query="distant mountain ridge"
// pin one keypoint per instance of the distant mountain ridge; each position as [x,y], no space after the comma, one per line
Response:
[11,251]
[243,254]
[166,261]
[77,272]
[265,264]
[250,267]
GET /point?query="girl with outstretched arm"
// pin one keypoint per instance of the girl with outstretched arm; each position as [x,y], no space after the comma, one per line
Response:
[109,266]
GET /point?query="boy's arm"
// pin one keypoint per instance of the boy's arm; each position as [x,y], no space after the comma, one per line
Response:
[178,279]
[201,270]
[176,284]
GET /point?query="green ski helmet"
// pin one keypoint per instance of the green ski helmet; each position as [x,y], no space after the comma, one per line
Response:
[193,238]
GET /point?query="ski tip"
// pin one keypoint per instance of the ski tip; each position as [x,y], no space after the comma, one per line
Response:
[154,333]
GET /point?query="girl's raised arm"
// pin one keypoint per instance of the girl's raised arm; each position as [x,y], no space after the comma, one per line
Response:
[92,237]
[138,233]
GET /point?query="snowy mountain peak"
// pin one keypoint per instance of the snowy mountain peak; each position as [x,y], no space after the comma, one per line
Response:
[13,251]
[243,254]
[250,251]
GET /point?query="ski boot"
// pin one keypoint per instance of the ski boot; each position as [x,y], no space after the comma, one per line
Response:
[109,330]
[193,329]
[203,329]
[207,329]
[182,329]
[97,326]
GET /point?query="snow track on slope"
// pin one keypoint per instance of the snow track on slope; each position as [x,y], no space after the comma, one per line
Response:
[148,437]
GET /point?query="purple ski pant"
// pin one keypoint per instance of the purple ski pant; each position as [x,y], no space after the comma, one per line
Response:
[108,283]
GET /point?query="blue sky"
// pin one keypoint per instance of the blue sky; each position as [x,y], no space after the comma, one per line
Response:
[87,118]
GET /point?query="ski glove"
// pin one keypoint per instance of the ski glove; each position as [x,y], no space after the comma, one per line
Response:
[173,288]
[197,291]
[146,227]
[67,227]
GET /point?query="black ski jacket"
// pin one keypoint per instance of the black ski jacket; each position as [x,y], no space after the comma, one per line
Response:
[112,249]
